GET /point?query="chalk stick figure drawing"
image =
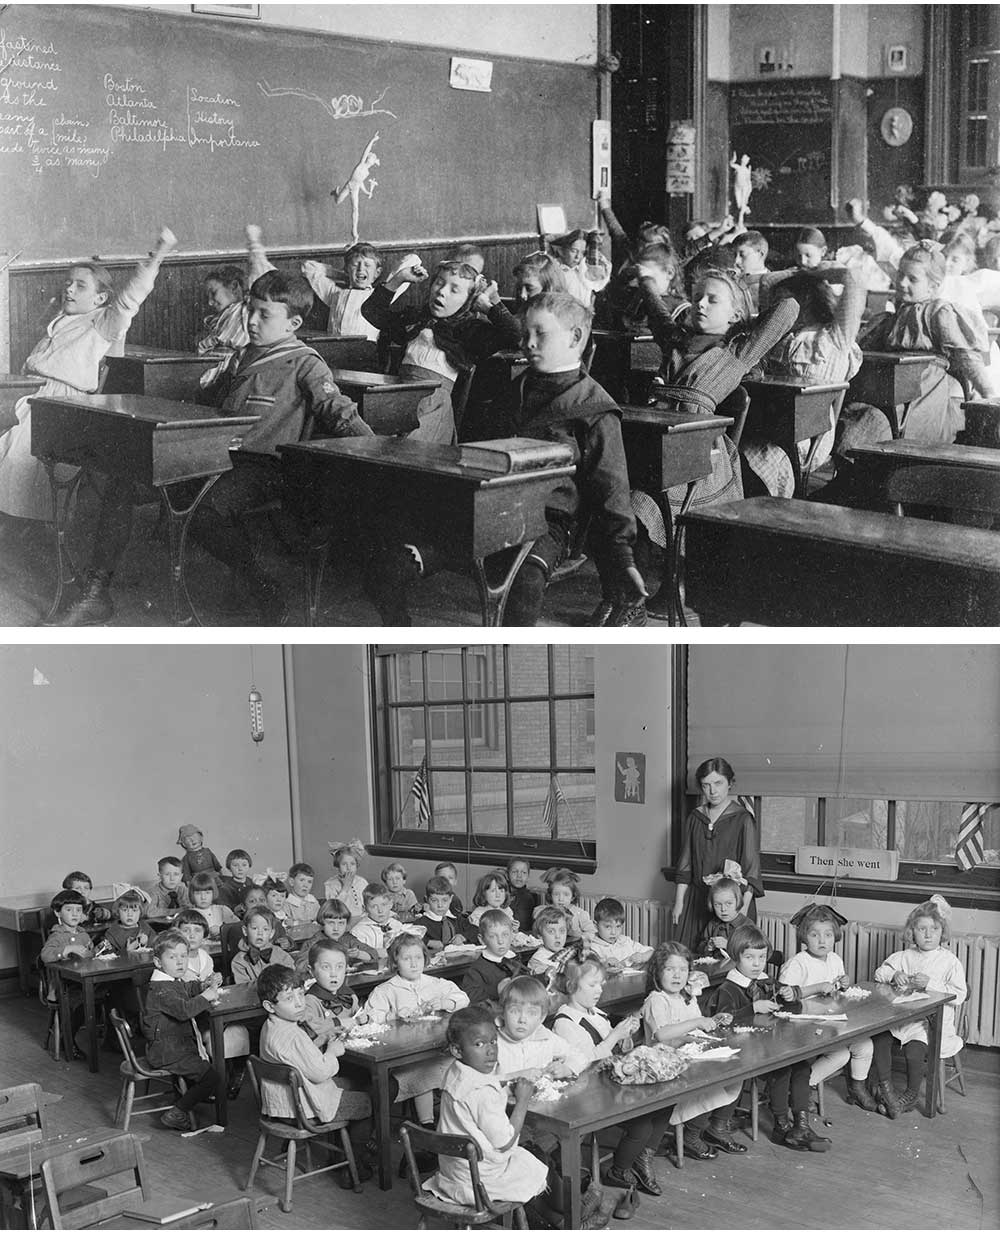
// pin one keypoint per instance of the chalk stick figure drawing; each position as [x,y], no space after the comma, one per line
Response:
[343,107]
[357,183]
[630,778]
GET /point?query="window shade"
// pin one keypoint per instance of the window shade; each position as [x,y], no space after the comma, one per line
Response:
[909,722]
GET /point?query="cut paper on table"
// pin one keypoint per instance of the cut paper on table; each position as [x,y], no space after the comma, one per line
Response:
[697,1053]
[910,997]
[785,1014]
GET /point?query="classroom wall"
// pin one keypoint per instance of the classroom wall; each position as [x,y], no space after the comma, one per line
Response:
[106,750]
[565,32]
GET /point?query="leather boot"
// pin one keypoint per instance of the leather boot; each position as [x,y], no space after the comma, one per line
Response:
[888,1099]
[626,614]
[908,1100]
[602,613]
[782,1127]
[94,607]
[696,1147]
[801,1137]
[858,1094]
[642,1167]
[718,1134]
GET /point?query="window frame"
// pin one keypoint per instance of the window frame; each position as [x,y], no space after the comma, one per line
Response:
[977,888]
[968,54]
[470,846]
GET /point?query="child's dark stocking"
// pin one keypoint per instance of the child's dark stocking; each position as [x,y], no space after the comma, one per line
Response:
[632,1163]
[885,1093]
[915,1053]
[524,604]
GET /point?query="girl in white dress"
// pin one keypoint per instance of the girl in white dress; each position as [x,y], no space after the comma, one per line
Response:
[924,965]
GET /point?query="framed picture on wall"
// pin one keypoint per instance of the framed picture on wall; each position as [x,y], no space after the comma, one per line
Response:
[251,11]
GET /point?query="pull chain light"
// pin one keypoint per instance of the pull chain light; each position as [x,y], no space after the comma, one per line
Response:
[256,703]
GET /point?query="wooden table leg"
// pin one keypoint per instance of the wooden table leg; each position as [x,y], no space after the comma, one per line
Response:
[935,1028]
[383,1125]
[65,1018]
[570,1163]
[675,536]
[178,524]
[217,1033]
[90,1020]
[494,595]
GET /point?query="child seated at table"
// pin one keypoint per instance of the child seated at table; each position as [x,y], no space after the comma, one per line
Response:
[484,979]
[492,893]
[523,899]
[378,928]
[925,964]
[562,892]
[438,919]
[669,1013]
[127,933]
[282,1039]
[173,1042]
[550,925]
[449,871]
[725,899]
[404,901]
[746,992]
[236,880]
[751,250]
[94,913]
[302,904]
[203,891]
[818,971]
[525,1046]
[333,919]
[330,1005]
[276,899]
[193,928]
[258,949]
[347,884]
[253,897]
[169,894]
[67,938]
[584,1026]
[411,994]
[225,328]
[612,946]
[362,267]
[474,1104]
[585,268]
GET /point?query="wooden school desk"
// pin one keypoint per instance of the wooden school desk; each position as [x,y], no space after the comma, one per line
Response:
[343,350]
[787,412]
[663,448]
[777,562]
[982,425]
[388,404]
[891,379]
[26,916]
[876,464]
[595,1101]
[158,373]
[89,974]
[471,501]
[621,354]
[151,441]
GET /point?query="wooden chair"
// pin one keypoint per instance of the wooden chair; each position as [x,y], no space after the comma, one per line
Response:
[945,488]
[22,1116]
[955,1063]
[240,1213]
[80,1166]
[306,1129]
[229,944]
[135,1070]
[737,405]
[415,1139]
[53,1028]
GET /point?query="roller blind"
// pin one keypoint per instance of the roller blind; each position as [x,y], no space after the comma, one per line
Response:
[906,722]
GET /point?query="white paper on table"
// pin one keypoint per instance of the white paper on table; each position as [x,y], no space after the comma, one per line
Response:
[910,997]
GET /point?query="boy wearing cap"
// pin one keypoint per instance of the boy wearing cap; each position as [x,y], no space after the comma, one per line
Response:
[197,858]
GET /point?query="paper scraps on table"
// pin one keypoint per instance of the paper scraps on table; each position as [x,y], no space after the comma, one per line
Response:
[214,1129]
[910,997]
[787,1014]
[696,1052]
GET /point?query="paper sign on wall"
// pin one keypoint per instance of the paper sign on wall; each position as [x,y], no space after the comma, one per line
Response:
[630,778]
[471,75]
[601,142]
[868,864]
[680,157]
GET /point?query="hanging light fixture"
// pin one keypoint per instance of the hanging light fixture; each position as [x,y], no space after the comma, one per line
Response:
[256,703]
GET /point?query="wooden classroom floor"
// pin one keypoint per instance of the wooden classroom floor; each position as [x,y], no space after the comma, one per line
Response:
[909,1174]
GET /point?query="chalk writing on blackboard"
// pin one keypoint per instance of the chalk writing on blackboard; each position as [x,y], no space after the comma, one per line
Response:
[343,107]
[211,122]
[773,102]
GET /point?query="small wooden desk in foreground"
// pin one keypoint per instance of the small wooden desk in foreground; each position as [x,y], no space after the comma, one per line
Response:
[891,379]
[343,350]
[388,404]
[471,501]
[787,412]
[158,373]
[89,974]
[876,464]
[151,441]
[594,1101]
[982,425]
[776,562]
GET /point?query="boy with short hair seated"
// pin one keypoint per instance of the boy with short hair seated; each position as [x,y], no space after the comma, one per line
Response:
[285,1038]
[302,905]
[236,880]
[169,894]
[67,938]
[485,978]
[291,389]
[555,401]
[378,928]
[362,267]
[614,947]
[193,928]
[438,919]
[94,913]
[751,261]
[257,948]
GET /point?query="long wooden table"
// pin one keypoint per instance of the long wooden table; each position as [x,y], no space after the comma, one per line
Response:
[460,501]
[153,442]
[892,379]
[157,372]
[595,1101]
[90,974]
[777,562]
[388,404]
[664,448]
[787,412]
[982,424]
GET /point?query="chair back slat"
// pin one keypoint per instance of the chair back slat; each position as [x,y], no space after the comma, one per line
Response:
[417,1138]
[83,1165]
[22,1116]
[281,1075]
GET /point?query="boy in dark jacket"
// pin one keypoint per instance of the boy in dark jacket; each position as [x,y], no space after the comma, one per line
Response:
[554,401]
[173,1041]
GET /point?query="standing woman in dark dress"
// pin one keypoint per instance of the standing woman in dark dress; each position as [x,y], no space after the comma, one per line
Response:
[720,829]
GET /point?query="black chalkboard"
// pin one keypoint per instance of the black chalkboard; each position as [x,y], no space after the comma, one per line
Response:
[112,121]
[786,127]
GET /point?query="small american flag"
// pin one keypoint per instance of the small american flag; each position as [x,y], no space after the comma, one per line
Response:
[969,846]
[747,803]
[553,800]
[420,791]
